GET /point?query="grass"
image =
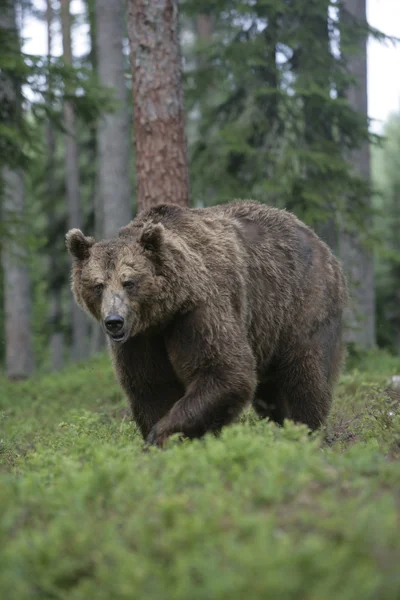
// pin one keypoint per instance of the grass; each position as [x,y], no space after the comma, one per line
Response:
[259,513]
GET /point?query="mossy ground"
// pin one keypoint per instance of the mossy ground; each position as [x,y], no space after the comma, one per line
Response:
[259,513]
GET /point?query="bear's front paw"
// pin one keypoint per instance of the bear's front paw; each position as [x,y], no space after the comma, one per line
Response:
[156,437]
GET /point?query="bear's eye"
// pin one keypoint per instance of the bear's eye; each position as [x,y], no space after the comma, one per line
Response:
[98,288]
[129,284]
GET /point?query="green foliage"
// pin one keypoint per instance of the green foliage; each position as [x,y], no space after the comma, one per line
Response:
[23,145]
[14,131]
[278,127]
[260,512]
[50,82]
[386,177]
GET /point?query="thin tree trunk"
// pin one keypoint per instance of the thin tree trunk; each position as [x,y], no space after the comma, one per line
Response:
[17,293]
[357,260]
[204,28]
[79,323]
[55,311]
[19,359]
[96,206]
[159,122]
[113,129]
[394,295]
[97,337]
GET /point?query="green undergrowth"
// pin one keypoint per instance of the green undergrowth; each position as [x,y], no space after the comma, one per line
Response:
[260,512]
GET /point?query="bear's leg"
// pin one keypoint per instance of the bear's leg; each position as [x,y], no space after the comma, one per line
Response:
[308,374]
[210,402]
[307,390]
[216,365]
[269,401]
[149,405]
[145,373]
[330,340]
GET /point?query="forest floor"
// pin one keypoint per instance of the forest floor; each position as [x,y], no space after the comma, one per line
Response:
[260,513]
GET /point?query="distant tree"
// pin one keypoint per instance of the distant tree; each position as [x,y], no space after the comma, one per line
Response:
[356,256]
[204,25]
[159,112]
[114,129]
[276,127]
[386,177]
[19,360]
[55,289]
[313,64]
[92,150]
[74,207]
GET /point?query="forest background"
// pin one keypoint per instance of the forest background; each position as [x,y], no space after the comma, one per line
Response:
[274,101]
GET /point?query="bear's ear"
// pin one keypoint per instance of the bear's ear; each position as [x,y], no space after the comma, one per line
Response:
[152,237]
[78,244]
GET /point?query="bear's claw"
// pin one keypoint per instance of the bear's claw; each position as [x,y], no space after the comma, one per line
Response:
[154,438]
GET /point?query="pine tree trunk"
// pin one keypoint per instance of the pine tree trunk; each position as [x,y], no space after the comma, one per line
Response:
[55,312]
[114,128]
[19,358]
[97,337]
[159,114]
[79,322]
[203,25]
[204,28]
[96,206]
[358,261]
[17,293]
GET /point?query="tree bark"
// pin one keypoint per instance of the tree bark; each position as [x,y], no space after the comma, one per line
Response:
[113,130]
[19,358]
[357,260]
[55,310]
[17,293]
[79,323]
[97,337]
[204,27]
[95,206]
[159,114]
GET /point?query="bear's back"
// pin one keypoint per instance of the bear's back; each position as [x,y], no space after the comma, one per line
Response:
[255,219]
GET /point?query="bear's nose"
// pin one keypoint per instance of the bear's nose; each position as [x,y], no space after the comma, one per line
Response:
[114,323]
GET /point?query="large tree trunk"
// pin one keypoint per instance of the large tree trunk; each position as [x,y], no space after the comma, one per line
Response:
[160,141]
[55,311]
[357,260]
[17,300]
[114,128]
[79,322]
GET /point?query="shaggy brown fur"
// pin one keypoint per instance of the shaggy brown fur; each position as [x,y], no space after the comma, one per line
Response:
[222,306]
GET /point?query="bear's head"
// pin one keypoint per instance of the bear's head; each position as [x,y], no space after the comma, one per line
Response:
[130,283]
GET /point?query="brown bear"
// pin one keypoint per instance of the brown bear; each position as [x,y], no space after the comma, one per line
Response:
[210,309]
